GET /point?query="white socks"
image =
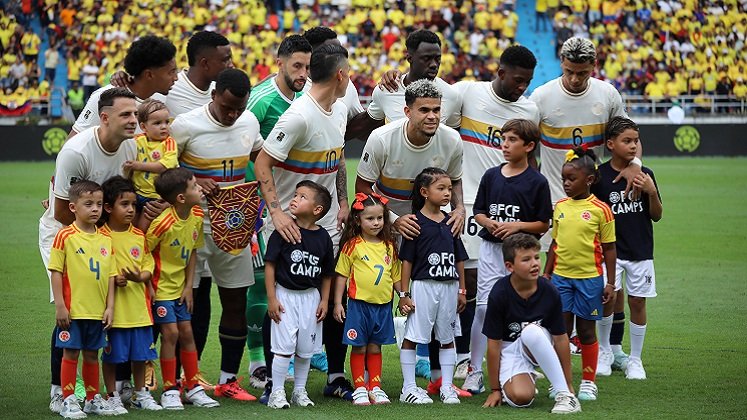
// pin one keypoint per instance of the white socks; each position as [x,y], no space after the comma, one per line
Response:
[225,377]
[301,373]
[256,365]
[605,328]
[447,357]
[536,341]
[280,366]
[637,334]
[407,360]
[478,341]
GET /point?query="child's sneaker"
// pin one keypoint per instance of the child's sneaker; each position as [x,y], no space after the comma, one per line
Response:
[474,383]
[462,369]
[635,370]
[340,388]
[144,401]
[56,402]
[566,403]
[449,395]
[71,408]
[172,400]
[423,369]
[319,362]
[551,393]
[199,398]
[378,396]
[621,360]
[126,392]
[587,391]
[265,397]
[604,363]
[416,396]
[434,388]
[301,398]
[258,378]
[360,396]
[115,403]
[232,389]
[277,399]
[99,407]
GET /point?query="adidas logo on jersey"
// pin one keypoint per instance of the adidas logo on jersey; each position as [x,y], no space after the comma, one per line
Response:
[175,243]
[365,258]
[562,216]
[80,251]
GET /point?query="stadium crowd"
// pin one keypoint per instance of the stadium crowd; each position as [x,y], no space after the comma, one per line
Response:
[660,49]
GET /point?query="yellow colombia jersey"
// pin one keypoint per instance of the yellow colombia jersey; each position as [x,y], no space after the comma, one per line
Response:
[171,241]
[163,152]
[371,270]
[580,227]
[132,302]
[86,263]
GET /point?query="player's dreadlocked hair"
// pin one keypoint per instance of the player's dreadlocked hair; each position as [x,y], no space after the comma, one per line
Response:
[578,50]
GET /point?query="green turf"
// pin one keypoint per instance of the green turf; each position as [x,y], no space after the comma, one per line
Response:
[695,352]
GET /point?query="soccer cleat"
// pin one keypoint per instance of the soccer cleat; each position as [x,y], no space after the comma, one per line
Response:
[434,388]
[416,396]
[635,370]
[566,403]
[449,395]
[474,383]
[199,398]
[99,407]
[258,378]
[378,396]
[115,403]
[150,375]
[360,396]
[551,393]
[172,400]
[462,369]
[144,401]
[621,361]
[266,393]
[319,362]
[604,363]
[575,345]
[56,402]
[301,398]
[339,388]
[233,390]
[126,392]
[423,369]
[71,408]
[277,399]
[587,391]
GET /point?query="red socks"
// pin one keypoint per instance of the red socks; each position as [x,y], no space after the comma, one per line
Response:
[189,363]
[373,362]
[358,369]
[589,359]
[91,379]
[168,373]
[67,377]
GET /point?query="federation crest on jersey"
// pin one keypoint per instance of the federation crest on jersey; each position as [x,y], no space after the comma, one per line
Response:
[296,256]
[108,349]
[135,252]
[104,252]
[586,215]
[387,259]
[64,336]
[161,311]
[194,235]
[352,334]
[156,155]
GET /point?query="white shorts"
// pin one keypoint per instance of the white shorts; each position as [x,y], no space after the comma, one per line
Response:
[435,310]
[298,332]
[228,271]
[470,239]
[516,361]
[640,278]
[46,238]
[490,269]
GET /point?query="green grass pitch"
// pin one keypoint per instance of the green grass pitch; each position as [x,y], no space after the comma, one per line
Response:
[695,352]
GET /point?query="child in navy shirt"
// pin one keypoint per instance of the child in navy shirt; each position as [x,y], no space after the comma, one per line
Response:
[434,260]
[511,198]
[298,278]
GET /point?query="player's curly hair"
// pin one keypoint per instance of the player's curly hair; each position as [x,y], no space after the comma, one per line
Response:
[201,41]
[353,226]
[318,35]
[422,88]
[586,160]
[579,50]
[420,36]
[617,125]
[235,81]
[517,241]
[148,52]
[293,44]
[424,179]
[518,56]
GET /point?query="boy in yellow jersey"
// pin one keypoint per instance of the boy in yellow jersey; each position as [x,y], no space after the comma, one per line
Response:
[173,237]
[83,273]
[131,336]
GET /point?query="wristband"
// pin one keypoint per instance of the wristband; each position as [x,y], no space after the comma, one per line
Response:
[462,292]
[609,284]
[405,295]
[636,161]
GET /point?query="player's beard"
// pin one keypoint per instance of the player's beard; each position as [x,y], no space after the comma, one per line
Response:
[291,83]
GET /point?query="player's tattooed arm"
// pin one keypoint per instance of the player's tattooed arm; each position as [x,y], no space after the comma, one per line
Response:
[284,224]
[342,192]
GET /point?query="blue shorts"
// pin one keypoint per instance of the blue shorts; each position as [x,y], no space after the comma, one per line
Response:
[83,334]
[130,345]
[368,323]
[582,297]
[170,311]
[142,201]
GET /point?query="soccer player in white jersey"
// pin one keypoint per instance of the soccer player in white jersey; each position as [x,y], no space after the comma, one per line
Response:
[307,143]
[215,142]
[484,108]
[151,65]
[208,54]
[95,154]
[574,110]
